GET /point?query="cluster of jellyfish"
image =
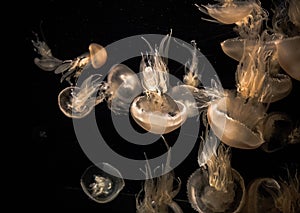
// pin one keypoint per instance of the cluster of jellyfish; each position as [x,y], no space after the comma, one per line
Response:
[268,58]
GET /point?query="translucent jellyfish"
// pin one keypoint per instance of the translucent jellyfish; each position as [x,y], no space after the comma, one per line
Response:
[288,51]
[237,121]
[124,86]
[186,93]
[229,11]
[270,195]
[77,102]
[215,186]
[102,183]
[158,193]
[71,69]
[258,76]
[156,111]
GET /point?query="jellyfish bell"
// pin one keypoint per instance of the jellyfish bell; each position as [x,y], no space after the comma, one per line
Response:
[78,102]
[206,199]
[288,51]
[102,182]
[98,55]
[236,121]
[184,94]
[124,86]
[230,12]
[158,114]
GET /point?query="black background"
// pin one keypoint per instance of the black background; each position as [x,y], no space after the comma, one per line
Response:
[68,29]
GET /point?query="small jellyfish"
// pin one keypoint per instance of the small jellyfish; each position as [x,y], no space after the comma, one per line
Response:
[229,11]
[71,69]
[215,186]
[78,102]
[102,182]
[156,111]
[158,193]
[270,195]
[124,86]
[98,55]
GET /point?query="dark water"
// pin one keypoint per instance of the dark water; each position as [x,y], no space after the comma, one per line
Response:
[68,29]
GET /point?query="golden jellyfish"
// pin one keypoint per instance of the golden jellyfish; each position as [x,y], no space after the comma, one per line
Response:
[78,102]
[71,69]
[98,55]
[158,193]
[102,182]
[237,121]
[185,93]
[259,61]
[156,111]
[123,87]
[228,11]
[215,186]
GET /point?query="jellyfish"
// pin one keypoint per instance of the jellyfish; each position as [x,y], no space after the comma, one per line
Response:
[78,102]
[270,195]
[215,186]
[158,193]
[228,11]
[185,93]
[124,87]
[102,182]
[70,69]
[156,111]
[258,76]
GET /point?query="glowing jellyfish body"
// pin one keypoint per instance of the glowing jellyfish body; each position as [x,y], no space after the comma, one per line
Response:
[78,102]
[156,111]
[230,11]
[98,55]
[102,183]
[257,74]
[236,121]
[215,186]
[71,69]
[124,86]
[288,51]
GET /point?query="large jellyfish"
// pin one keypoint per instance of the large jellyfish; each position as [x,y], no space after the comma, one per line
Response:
[215,186]
[156,111]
